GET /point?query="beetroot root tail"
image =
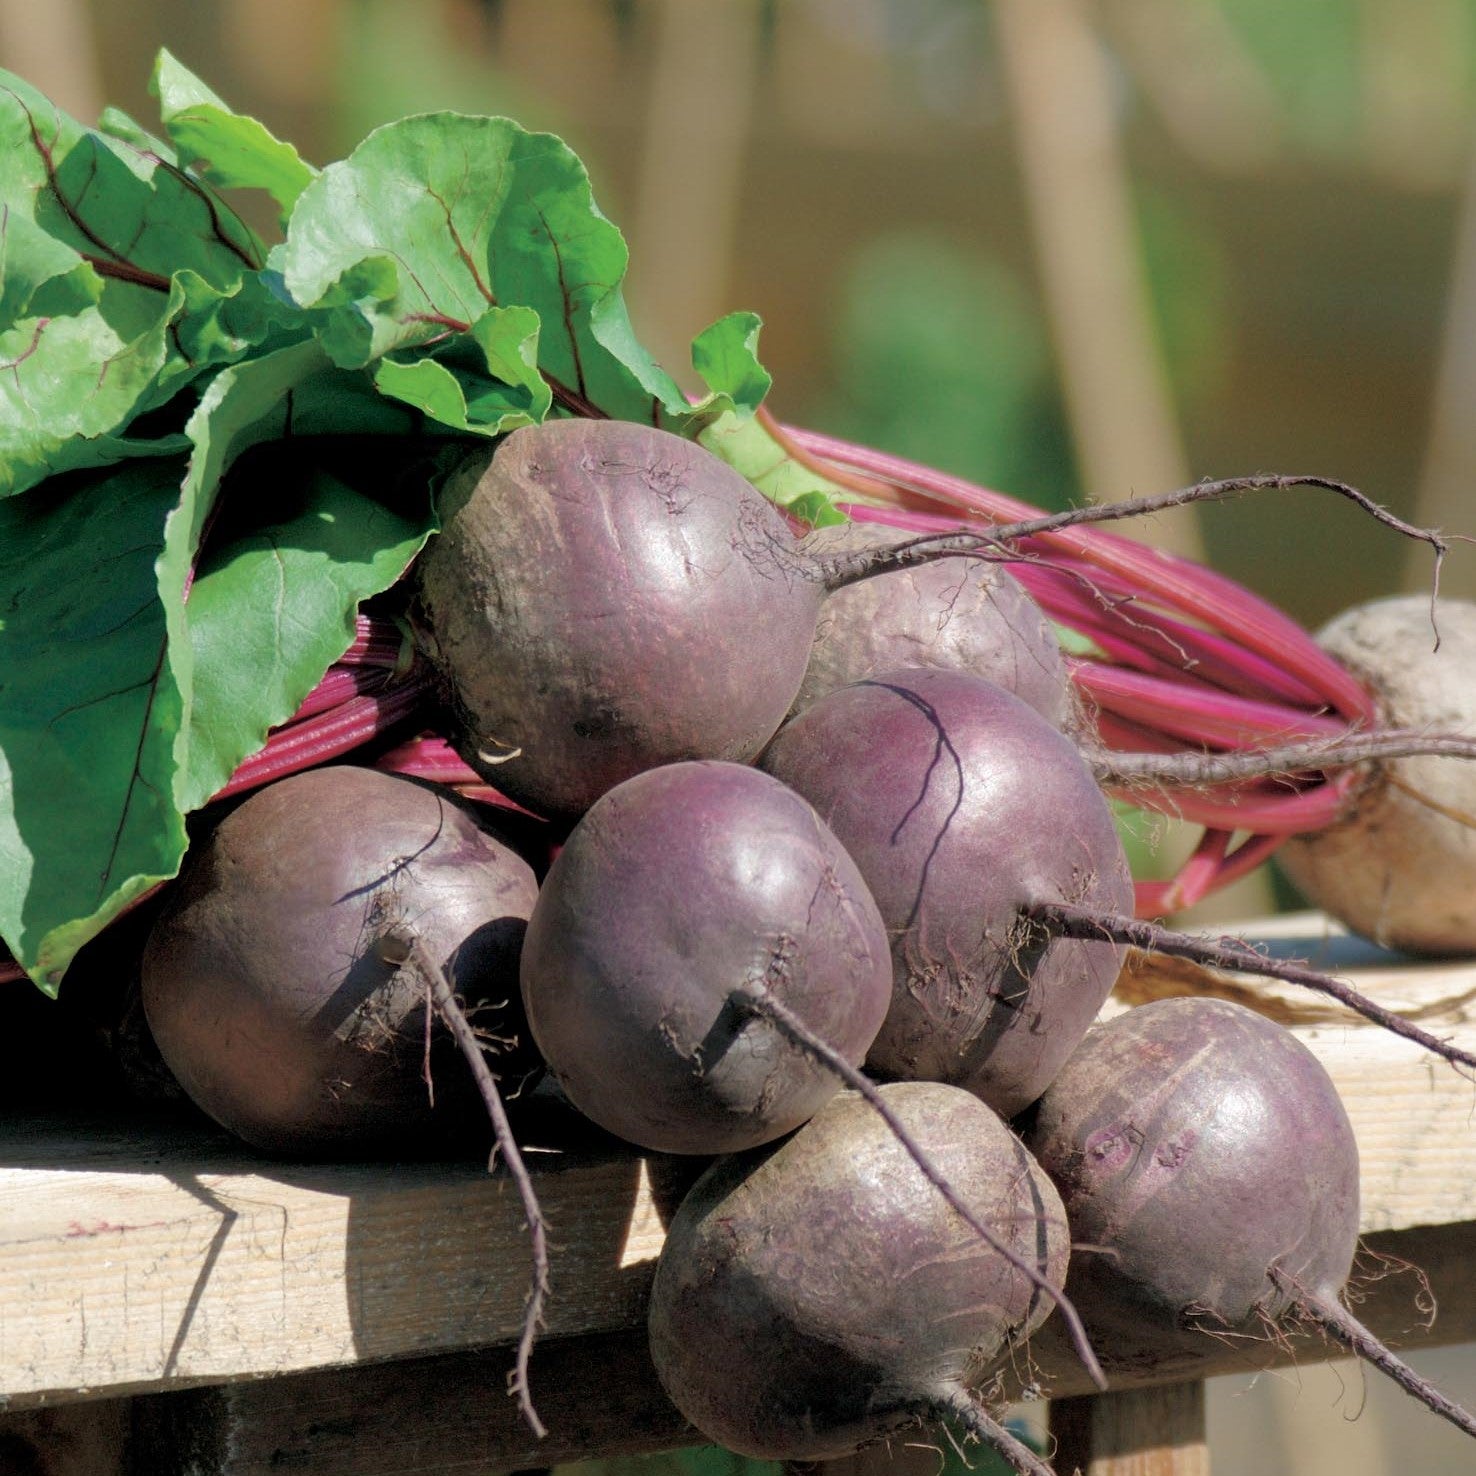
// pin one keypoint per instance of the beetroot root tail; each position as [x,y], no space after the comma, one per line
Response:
[988,1431]
[1231,953]
[400,946]
[1340,1325]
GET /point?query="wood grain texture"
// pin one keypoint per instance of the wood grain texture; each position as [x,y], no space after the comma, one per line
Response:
[599,1395]
[148,1254]
[1143,1432]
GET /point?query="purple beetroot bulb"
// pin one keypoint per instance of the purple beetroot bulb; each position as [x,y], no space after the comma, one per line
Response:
[604,598]
[963,807]
[853,1300]
[1197,1145]
[681,886]
[263,980]
[964,614]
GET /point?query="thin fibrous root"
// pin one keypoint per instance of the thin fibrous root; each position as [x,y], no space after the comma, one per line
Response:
[1340,1324]
[1196,770]
[996,540]
[985,1428]
[757,1000]
[402,947]
[1239,957]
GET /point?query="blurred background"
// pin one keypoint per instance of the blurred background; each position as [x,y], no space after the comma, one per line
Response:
[1065,247]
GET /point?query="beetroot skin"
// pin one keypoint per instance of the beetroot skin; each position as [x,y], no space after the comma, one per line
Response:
[604,598]
[263,980]
[964,614]
[962,807]
[819,1295]
[1197,1145]
[681,890]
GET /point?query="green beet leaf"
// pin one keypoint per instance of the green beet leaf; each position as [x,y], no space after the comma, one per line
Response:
[748,447]
[91,715]
[487,387]
[265,662]
[229,149]
[453,215]
[726,356]
[271,611]
[124,278]
[451,280]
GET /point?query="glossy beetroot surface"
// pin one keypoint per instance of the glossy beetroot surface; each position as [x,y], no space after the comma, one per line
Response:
[263,981]
[680,887]
[962,806]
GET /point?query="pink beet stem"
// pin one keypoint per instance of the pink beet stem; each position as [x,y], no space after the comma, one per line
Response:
[302,745]
[1192,590]
[1209,869]
[1193,710]
[338,685]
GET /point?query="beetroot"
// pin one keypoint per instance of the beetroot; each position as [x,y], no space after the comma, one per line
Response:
[818,1295]
[959,613]
[963,808]
[1399,865]
[1205,1158]
[682,894]
[265,981]
[595,602]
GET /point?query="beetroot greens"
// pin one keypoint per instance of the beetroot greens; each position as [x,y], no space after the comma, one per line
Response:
[1210,1176]
[799,1252]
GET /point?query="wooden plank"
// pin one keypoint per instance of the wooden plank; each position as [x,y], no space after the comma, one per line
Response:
[598,1395]
[1143,1432]
[134,1258]
[148,1254]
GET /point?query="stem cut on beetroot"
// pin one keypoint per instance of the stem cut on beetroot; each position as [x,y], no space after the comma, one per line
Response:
[683,891]
[819,1295]
[266,984]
